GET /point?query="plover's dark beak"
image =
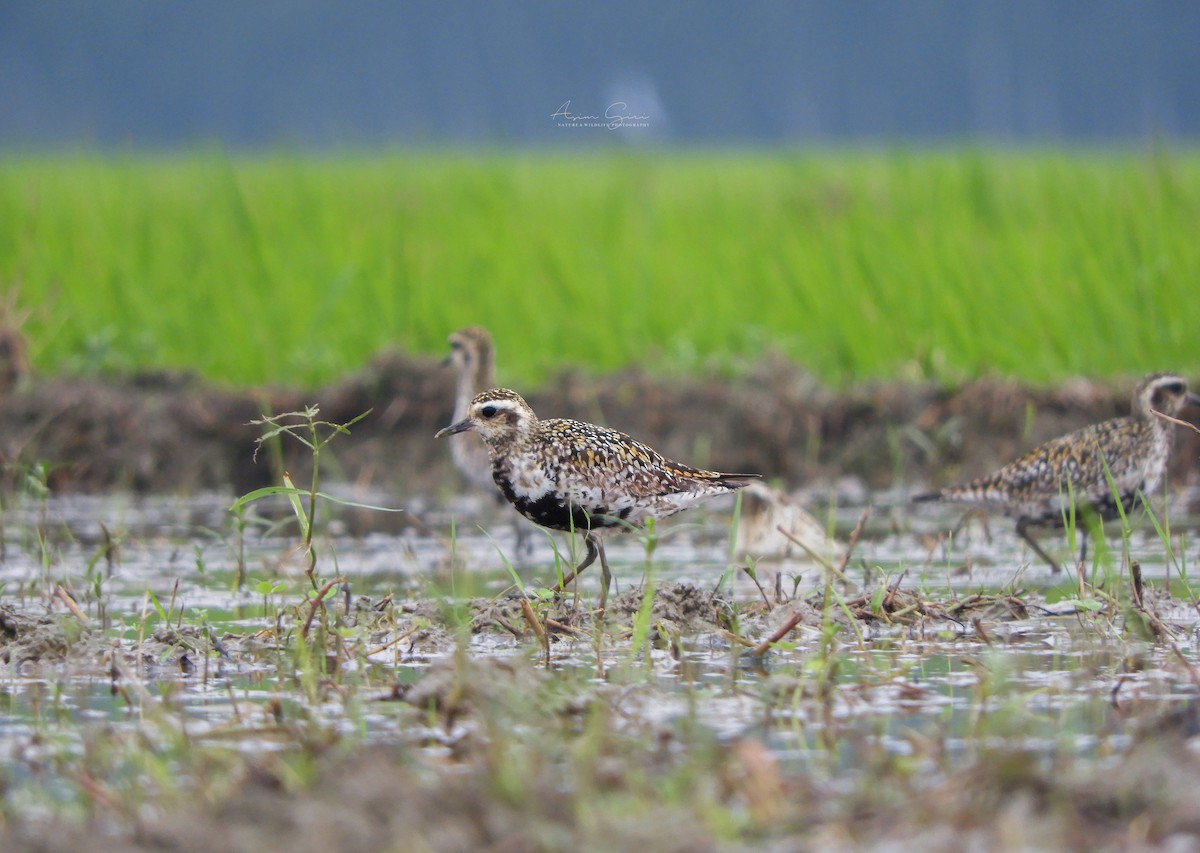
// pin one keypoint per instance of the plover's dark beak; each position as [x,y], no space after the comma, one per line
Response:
[461,426]
[1193,399]
[445,362]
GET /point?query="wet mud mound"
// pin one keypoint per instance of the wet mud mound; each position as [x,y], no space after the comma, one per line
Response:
[28,638]
[173,433]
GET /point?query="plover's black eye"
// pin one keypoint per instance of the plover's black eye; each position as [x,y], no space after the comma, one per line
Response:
[1174,387]
[488,411]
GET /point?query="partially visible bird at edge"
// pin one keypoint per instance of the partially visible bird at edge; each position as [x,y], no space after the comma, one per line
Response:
[1036,489]
[570,475]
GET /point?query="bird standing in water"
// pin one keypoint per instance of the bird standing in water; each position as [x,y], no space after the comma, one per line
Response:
[569,475]
[1036,488]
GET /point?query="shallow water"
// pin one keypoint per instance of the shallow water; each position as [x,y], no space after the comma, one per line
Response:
[161,539]
[1047,683]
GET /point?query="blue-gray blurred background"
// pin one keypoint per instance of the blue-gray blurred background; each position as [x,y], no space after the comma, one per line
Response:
[305,75]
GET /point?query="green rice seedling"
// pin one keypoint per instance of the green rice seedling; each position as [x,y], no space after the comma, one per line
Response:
[266,589]
[749,567]
[307,428]
[650,539]
[1072,516]
[1126,528]
[1184,576]
[315,434]
[642,627]
[734,526]
[508,566]
[238,546]
[1163,529]
[1069,514]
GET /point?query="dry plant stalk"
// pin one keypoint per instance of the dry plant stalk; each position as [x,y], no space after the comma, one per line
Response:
[839,572]
[315,602]
[1178,422]
[538,628]
[64,596]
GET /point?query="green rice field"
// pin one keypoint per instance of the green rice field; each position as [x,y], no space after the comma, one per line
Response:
[298,669]
[894,264]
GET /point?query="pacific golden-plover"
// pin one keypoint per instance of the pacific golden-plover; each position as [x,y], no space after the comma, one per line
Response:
[570,475]
[1035,489]
[474,360]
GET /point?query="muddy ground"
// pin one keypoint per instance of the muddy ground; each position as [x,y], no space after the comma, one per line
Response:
[377,800]
[396,797]
[167,432]
[174,433]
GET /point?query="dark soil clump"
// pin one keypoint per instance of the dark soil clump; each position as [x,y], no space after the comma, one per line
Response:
[29,638]
[172,432]
[681,604]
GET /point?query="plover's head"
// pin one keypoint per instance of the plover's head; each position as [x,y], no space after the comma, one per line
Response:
[1162,392]
[500,417]
[470,348]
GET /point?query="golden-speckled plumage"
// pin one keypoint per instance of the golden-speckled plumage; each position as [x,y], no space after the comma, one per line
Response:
[1034,488]
[1036,484]
[570,475]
